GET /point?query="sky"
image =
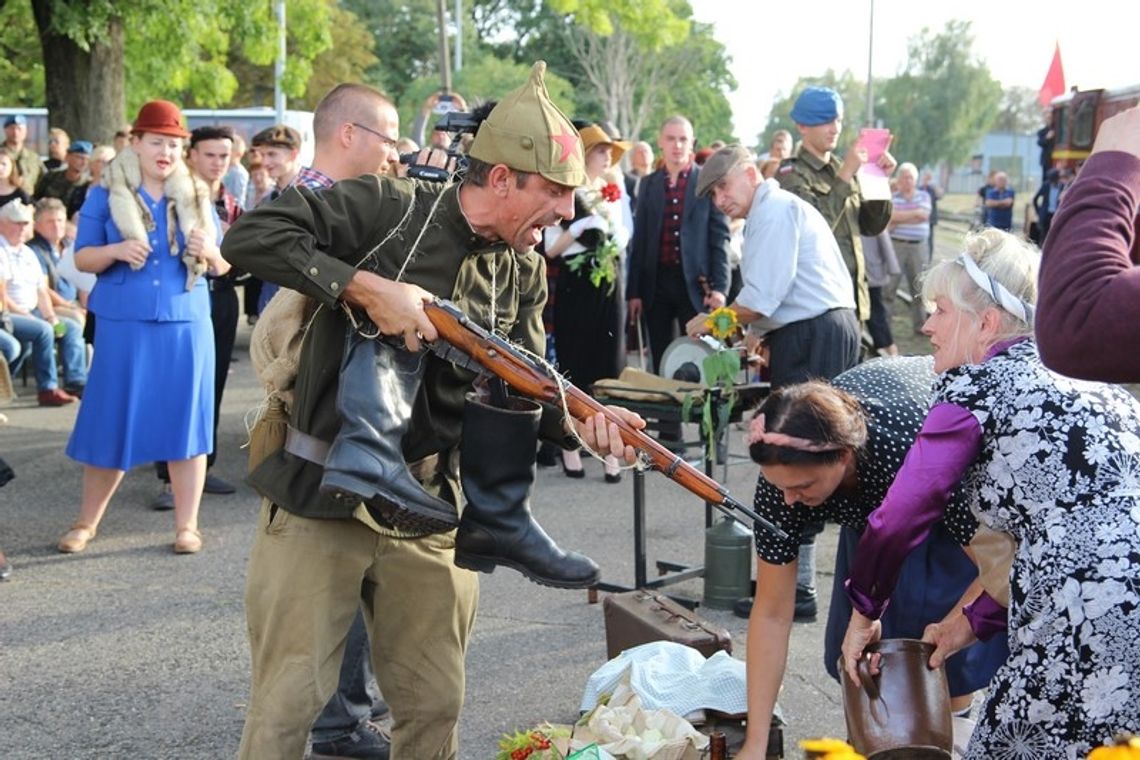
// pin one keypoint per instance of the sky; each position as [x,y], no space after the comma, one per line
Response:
[1015,38]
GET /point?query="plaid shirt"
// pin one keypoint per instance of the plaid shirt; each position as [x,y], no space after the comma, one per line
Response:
[670,255]
[312,178]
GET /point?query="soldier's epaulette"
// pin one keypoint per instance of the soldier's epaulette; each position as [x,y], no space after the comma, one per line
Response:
[786,167]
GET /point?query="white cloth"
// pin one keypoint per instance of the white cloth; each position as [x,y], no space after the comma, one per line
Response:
[24,276]
[791,264]
[84,281]
[674,677]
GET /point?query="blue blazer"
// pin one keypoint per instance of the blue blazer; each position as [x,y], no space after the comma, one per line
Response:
[155,293]
[704,241]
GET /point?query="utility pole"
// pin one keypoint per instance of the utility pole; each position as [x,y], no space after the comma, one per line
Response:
[444,64]
[279,67]
[458,35]
[870,66]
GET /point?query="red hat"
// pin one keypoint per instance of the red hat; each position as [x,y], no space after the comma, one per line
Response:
[160,117]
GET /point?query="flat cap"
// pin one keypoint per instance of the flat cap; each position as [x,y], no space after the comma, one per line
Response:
[17,211]
[718,166]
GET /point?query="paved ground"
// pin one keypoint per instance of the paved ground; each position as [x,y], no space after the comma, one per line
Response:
[128,650]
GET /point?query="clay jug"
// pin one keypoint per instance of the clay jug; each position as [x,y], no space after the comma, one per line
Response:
[904,711]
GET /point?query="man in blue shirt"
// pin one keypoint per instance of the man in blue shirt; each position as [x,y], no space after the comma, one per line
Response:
[999,203]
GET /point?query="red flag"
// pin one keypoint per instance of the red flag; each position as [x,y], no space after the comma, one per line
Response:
[1054,81]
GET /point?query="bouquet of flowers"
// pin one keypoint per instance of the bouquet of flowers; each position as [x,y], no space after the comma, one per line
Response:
[539,743]
[602,262]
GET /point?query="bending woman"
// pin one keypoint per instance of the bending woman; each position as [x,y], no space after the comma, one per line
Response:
[149,233]
[830,452]
[1054,462]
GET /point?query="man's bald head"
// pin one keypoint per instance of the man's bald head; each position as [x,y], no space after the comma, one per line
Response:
[355,128]
[344,104]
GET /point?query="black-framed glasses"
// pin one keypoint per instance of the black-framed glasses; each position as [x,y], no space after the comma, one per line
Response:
[387,140]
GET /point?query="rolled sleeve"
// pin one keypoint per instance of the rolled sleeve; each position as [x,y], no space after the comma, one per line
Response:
[948,443]
[987,618]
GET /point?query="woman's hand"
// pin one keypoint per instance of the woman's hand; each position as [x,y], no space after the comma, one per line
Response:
[948,636]
[133,252]
[862,631]
[204,249]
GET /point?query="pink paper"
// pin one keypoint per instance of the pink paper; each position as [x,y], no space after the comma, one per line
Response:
[876,142]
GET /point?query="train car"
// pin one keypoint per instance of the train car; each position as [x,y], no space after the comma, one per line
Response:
[1077,115]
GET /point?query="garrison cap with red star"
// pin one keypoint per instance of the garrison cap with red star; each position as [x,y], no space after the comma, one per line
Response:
[528,133]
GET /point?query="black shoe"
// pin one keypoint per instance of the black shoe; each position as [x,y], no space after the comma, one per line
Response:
[164,502]
[742,608]
[216,485]
[615,478]
[807,608]
[579,473]
[367,741]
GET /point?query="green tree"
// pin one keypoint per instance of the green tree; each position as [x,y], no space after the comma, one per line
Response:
[852,90]
[172,48]
[21,72]
[1019,111]
[943,101]
[405,42]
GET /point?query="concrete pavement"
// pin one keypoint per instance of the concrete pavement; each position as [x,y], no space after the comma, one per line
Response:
[128,650]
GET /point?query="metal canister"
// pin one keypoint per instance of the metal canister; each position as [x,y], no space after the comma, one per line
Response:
[728,563]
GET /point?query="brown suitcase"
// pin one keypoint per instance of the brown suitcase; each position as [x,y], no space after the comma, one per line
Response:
[638,617]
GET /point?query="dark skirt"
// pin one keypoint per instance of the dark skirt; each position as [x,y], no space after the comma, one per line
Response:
[588,328]
[932,580]
[149,395]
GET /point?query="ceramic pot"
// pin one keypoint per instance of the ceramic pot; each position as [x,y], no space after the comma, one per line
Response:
[904,711]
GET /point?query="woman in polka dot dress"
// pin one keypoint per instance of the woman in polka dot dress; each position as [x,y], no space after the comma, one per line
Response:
[830,452]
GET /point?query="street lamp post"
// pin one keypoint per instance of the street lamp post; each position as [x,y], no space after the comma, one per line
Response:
[279,66]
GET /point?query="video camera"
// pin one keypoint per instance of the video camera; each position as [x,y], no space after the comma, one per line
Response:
[457,124]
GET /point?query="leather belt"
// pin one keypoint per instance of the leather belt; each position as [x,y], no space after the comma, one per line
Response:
[309,448]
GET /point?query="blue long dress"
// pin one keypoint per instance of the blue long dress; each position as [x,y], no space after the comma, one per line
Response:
[150,391]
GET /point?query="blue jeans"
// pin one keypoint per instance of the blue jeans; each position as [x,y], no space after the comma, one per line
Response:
[72,351]
[357,698]
[10,348]
[38,333]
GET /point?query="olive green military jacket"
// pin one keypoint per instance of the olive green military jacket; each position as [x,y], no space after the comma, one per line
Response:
[313,241]
[842,205]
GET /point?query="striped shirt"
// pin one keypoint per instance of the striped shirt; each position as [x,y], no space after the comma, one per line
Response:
[913,231]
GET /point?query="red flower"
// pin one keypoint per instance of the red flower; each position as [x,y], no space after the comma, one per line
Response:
[611,192]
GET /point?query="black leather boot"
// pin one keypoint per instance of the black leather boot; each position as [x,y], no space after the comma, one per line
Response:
[378,385]
[496,467]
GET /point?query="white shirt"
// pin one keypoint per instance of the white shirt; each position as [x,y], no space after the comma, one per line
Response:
[791,264]
[84,281]
[23,276]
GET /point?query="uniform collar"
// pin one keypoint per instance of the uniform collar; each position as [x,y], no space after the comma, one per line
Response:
[451,214]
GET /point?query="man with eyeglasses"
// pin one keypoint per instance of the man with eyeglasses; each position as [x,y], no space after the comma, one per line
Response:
[355,128]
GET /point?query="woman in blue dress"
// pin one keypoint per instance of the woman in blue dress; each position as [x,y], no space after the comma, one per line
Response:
[149,232]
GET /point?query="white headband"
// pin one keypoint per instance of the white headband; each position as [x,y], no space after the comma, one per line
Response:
[995,290]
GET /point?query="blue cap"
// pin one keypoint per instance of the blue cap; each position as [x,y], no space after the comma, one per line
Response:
[15,119]
[81,146]
[817,105]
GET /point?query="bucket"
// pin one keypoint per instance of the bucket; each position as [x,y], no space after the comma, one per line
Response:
[904,711]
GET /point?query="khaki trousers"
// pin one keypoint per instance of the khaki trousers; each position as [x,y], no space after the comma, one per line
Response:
[303,589]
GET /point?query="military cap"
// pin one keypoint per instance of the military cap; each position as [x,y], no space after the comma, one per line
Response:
[719,165]
[817,105]
[277,136]
[528,133]
[81,146]
[16,119]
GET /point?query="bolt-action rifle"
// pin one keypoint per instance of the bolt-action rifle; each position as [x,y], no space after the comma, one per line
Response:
[465,343]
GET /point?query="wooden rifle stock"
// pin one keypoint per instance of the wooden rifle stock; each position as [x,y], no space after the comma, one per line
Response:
[503,360]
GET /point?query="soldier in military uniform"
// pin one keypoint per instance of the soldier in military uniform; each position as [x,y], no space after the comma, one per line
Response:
[817,175]
[352,244]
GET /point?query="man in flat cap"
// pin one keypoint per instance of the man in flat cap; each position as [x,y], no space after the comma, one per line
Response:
[818,176]
[796,286]
[385,246]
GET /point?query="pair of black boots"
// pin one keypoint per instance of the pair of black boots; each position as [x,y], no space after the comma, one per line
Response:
[378,386]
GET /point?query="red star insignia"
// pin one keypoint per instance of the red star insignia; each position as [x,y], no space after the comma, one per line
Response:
[568,142]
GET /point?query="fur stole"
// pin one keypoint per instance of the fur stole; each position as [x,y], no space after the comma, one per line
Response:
[188,207]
